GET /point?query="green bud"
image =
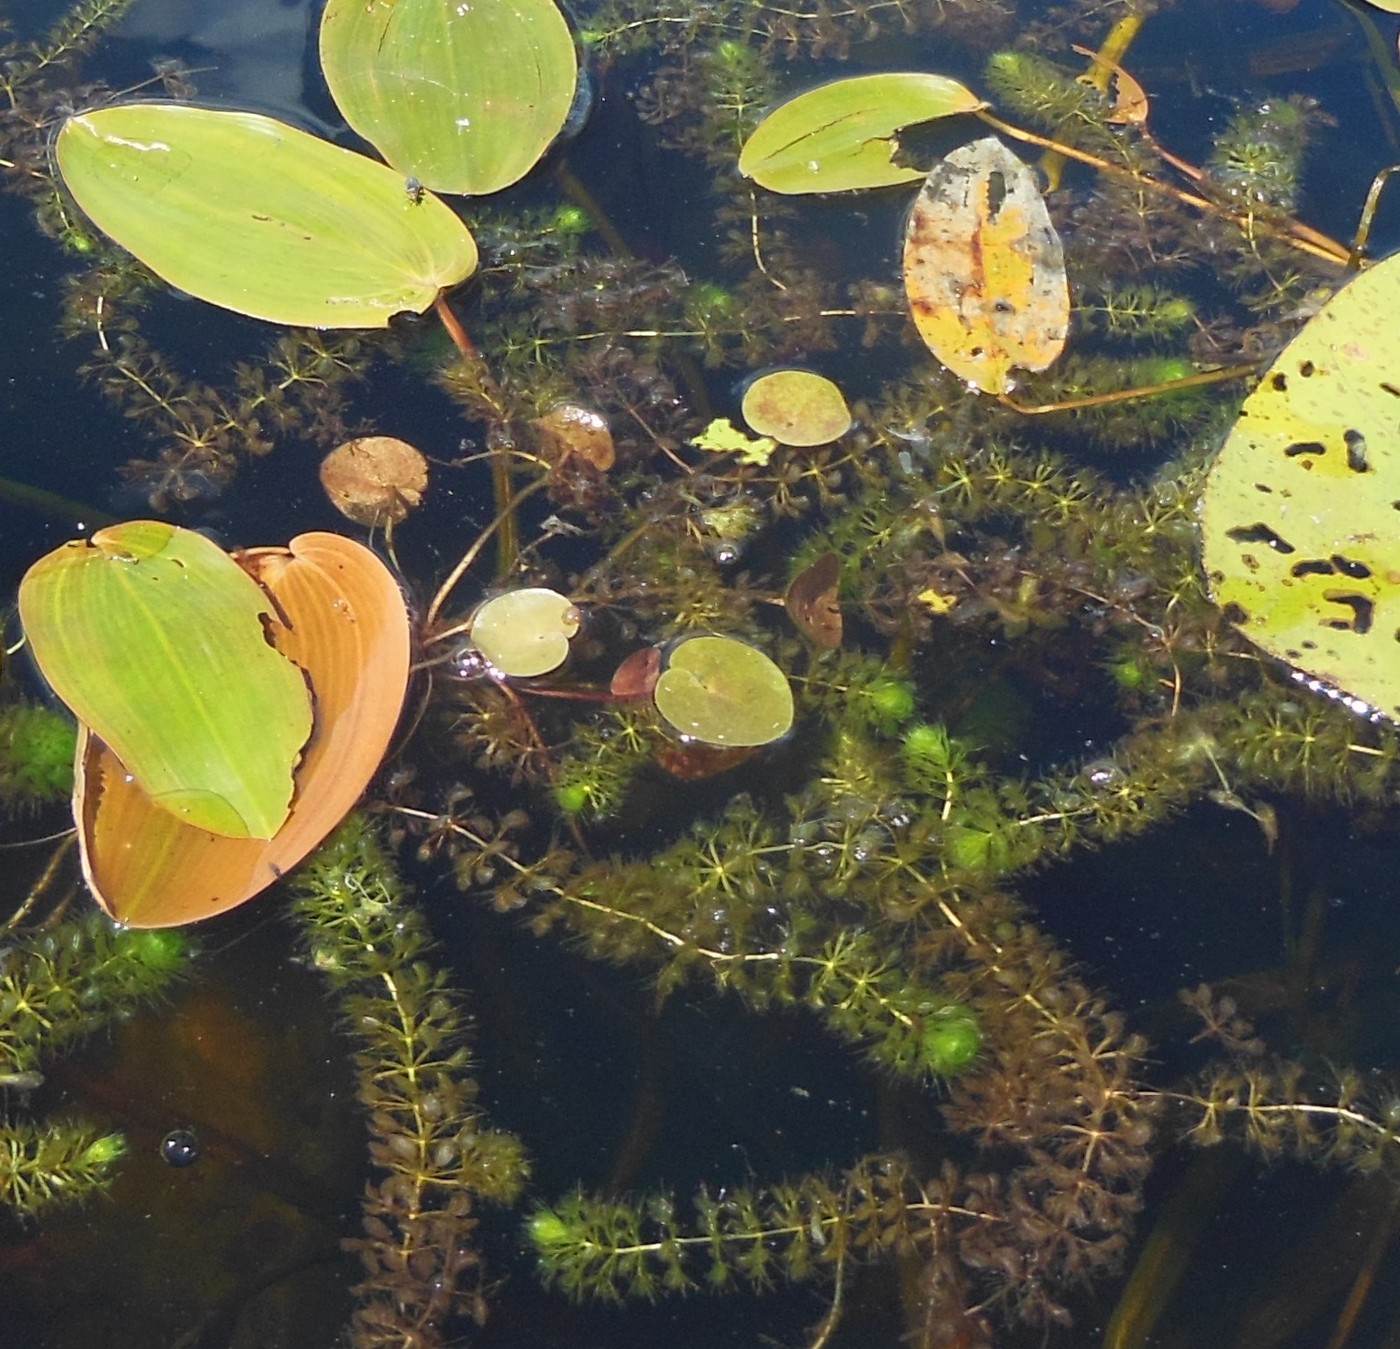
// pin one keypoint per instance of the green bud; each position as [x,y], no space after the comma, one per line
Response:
[105,1150]
[571,797]
[952,1039]
[548,1231]
[892,699]
[571,220]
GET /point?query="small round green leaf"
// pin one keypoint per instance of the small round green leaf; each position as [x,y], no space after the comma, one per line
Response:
[156,639]
[248,213]
[840,137]
[525,632]
[722,691]
[465,97]
[1301,513]
[796,407]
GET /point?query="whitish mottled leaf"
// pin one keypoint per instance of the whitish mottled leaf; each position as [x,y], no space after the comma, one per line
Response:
[248,213]
[984,269]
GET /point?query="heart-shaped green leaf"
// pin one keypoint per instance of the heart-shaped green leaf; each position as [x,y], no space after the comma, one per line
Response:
[1301,515]
[463,97]
[248,213]
[525,632]
[156,639]
[840,137]
[722,691]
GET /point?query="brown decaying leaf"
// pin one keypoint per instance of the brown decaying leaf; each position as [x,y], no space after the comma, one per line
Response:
[349,630]
[375,480]
[636,677]
[812,604]
[984,269]
[694,762]
[568,431]
[1130,105]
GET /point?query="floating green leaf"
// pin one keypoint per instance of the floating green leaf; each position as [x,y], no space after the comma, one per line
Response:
[525,632]
[796,407]
[840,137]
[722,691]
[263,219]
[156,639]
[463,97]
[1301,516]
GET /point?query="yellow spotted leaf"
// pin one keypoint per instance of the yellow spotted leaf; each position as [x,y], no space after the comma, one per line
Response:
[984,269]
[1301,514]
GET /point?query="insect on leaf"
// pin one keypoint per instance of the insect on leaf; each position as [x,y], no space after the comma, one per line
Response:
[1301,514]
[157,640]
[840,137]
[246,212]
[984,269]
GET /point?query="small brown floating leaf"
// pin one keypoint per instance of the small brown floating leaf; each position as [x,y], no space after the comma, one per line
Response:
[636,677]
[695,762]
[568,431]
[375,480]
[984,269]
[812,604]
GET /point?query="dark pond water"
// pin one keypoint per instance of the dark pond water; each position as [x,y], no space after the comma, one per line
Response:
[1272,884]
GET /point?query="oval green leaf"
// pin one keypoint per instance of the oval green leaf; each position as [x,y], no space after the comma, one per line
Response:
[463,97]
[248,213]
[841,137]
[157,641]
[796,407]
[1301,513]
[722,691]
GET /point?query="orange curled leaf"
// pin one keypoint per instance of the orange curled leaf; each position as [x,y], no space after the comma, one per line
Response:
[347,627]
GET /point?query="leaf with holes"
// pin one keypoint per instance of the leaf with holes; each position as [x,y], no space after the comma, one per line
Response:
[984,269]
[1301,514]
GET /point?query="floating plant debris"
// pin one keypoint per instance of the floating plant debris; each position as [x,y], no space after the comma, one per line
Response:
[984,269]
[375,480]
[568,431]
